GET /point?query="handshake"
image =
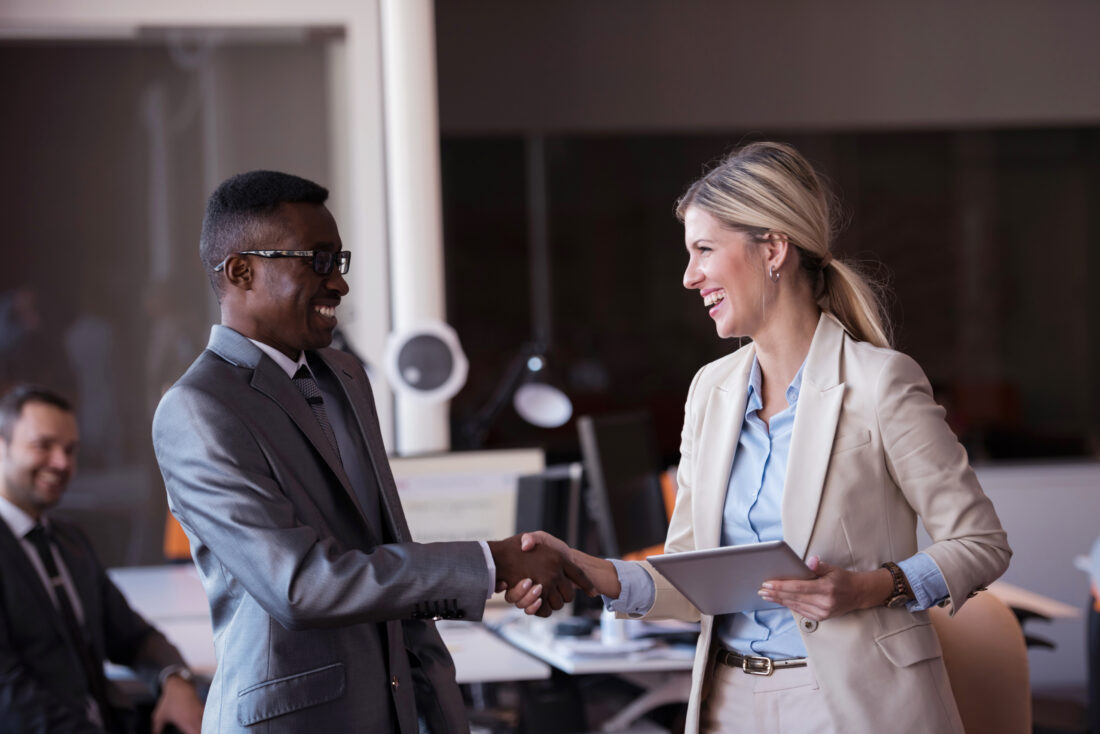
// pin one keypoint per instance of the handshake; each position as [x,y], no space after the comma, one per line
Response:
[539,572]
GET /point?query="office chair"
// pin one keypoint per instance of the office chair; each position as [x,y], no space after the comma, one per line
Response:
[986,660]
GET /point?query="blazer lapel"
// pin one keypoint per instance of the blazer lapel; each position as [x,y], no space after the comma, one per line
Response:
[725,413]
[819,404]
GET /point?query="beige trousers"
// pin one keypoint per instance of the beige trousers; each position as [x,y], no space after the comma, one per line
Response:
[786,702]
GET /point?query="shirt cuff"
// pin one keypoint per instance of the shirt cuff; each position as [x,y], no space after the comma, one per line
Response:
[926,580]
[638,591]
[492,568]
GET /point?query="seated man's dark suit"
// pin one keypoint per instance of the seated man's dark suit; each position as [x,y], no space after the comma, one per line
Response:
[42,684]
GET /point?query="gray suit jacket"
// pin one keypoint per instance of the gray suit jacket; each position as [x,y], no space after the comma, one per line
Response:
[319,625]
[42,685]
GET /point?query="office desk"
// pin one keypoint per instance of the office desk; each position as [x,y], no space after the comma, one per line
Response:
[663,671]
[173,600]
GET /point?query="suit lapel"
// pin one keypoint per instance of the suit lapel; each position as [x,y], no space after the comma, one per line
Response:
[725,413]
[269,380]
[819,404]
[84,578]
[361,400]
[18,563]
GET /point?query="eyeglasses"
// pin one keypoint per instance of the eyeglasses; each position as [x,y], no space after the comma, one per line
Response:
[323,260]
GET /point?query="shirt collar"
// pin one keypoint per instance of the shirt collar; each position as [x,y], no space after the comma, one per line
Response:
[286,364]
[755,400]
[18,521]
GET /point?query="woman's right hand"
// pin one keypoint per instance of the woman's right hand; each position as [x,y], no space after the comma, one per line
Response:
[601,572]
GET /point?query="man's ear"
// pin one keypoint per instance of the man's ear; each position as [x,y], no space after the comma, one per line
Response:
[238,272]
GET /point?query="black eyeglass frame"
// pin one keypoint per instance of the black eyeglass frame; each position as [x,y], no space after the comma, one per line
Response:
[324,261]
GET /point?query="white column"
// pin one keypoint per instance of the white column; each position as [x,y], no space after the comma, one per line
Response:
[414,200]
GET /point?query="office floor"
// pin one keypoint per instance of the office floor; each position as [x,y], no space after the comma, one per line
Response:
[562,705]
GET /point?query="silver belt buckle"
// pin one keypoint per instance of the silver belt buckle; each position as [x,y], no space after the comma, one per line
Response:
[754,665]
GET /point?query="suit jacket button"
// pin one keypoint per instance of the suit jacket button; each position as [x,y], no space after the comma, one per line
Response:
[460,614]
[394,683]
[808,625]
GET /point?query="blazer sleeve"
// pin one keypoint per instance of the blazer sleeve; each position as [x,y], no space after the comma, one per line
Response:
[930,466]
[668,602]
[223,489]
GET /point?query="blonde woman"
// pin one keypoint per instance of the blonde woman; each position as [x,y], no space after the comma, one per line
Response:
[818,433]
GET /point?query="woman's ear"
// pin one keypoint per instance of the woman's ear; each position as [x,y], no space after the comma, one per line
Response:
[776,250]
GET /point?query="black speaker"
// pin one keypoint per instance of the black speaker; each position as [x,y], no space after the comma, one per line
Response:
[426,362]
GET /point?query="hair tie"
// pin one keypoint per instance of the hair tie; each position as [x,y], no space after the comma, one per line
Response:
[825,260]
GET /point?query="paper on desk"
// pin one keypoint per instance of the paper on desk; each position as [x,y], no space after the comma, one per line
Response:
[587,646]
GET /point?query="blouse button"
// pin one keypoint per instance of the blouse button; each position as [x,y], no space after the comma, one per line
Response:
[808,625]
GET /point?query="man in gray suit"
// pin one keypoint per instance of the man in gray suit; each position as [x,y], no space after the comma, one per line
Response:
[322,605]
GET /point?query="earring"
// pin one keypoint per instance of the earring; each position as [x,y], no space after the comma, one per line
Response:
[775,276]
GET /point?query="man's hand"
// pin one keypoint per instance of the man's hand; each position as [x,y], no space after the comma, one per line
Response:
[834,592]
[179,705]
[544,566]
[602,573]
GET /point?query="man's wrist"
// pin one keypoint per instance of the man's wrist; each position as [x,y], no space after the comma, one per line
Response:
[175,671]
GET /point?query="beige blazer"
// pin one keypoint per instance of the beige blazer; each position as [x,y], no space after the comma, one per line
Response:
[870,453]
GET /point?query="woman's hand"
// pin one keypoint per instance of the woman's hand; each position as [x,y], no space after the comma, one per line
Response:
[601,572]
[834,592]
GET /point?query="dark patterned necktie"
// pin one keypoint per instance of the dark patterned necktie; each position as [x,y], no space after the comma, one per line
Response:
[306,385]
[93,667]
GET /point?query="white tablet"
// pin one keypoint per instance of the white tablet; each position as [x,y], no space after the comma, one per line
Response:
[726,580]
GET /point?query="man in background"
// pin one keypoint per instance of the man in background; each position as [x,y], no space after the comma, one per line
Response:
[273,460]
[60,615]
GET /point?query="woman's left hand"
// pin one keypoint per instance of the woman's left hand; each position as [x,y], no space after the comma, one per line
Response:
[834,592]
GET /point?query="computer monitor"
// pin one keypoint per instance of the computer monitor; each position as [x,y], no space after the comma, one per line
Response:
[623,466]
[465,495]
[551,501]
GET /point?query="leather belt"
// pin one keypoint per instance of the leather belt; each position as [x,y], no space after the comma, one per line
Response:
[755,664]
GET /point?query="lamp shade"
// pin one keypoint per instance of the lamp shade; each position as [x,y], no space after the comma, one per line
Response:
[542,405]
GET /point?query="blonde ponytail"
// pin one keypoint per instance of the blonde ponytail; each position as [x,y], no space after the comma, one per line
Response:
[771,187]
[856,303]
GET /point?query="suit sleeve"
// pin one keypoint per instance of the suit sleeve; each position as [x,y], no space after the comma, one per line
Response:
[930,466]
[222,487]
[25,705]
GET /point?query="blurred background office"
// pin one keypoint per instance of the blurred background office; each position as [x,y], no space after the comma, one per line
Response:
[962,138]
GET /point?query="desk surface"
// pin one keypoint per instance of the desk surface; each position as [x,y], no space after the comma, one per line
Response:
[172,599]
[535,636]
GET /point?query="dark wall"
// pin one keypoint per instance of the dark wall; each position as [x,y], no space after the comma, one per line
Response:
[985,240]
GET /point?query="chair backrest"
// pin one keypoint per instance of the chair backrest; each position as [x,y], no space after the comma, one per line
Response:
[986,659]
